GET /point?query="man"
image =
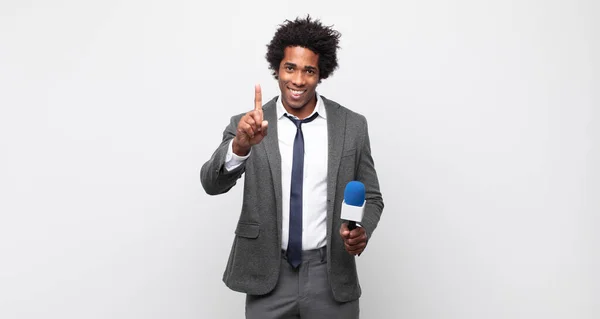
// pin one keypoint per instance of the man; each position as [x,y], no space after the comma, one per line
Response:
[292,254]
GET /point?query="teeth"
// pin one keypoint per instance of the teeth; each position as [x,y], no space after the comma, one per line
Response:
[296,92]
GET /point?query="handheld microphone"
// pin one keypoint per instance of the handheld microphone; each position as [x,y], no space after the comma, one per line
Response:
[354,203]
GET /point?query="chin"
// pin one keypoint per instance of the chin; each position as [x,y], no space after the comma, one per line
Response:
[294,105]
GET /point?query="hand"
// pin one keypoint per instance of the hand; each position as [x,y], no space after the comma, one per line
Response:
[251,129]
[355,240]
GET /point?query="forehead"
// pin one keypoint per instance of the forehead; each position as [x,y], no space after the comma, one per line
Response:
[300,56]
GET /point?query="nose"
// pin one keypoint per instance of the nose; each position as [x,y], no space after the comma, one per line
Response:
[298,78]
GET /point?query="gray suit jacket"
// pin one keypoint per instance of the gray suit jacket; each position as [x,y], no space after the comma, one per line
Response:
[254,261]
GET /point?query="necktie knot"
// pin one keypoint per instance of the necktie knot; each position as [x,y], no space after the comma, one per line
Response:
[299,122]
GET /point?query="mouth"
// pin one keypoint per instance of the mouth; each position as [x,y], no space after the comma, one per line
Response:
[296,93]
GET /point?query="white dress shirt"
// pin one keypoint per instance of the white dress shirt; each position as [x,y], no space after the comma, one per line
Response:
[314,188]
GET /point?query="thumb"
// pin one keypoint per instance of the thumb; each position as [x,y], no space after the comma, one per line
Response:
[264,127]
[344,231]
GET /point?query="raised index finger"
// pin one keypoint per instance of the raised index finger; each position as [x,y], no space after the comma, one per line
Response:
[257,98]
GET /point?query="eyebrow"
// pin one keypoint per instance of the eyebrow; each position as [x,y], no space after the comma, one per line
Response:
[308,67]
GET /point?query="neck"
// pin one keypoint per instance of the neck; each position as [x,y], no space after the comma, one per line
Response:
[304,111]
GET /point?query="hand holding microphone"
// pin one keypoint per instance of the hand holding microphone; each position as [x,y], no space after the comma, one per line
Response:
[355,238]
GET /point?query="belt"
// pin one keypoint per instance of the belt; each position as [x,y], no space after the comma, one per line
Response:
[309,255]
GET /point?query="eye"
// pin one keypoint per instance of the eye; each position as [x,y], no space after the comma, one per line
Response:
[289,68]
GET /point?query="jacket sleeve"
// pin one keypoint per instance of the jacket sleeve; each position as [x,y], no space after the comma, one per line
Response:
[367,174]
[214,177]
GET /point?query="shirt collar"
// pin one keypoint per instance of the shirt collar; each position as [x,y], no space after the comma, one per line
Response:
[320,108]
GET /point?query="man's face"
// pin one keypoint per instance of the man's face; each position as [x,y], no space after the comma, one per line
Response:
[298,76]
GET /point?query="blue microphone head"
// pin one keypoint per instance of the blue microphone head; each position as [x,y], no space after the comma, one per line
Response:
[354,194]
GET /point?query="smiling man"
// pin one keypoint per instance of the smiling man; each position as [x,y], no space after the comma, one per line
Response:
[292,254]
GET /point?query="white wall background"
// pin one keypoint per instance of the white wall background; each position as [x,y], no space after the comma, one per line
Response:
[484,120]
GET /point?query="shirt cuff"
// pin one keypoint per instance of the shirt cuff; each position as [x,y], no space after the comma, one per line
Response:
[232,160]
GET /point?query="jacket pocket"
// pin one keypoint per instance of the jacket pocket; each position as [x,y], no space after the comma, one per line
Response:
[247,230]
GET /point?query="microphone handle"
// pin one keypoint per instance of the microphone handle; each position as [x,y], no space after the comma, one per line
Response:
[351,225]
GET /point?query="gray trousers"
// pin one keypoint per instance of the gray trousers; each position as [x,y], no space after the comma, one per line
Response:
[301,293]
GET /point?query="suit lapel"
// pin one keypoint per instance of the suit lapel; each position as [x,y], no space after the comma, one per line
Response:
[271,144]
[336,125]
